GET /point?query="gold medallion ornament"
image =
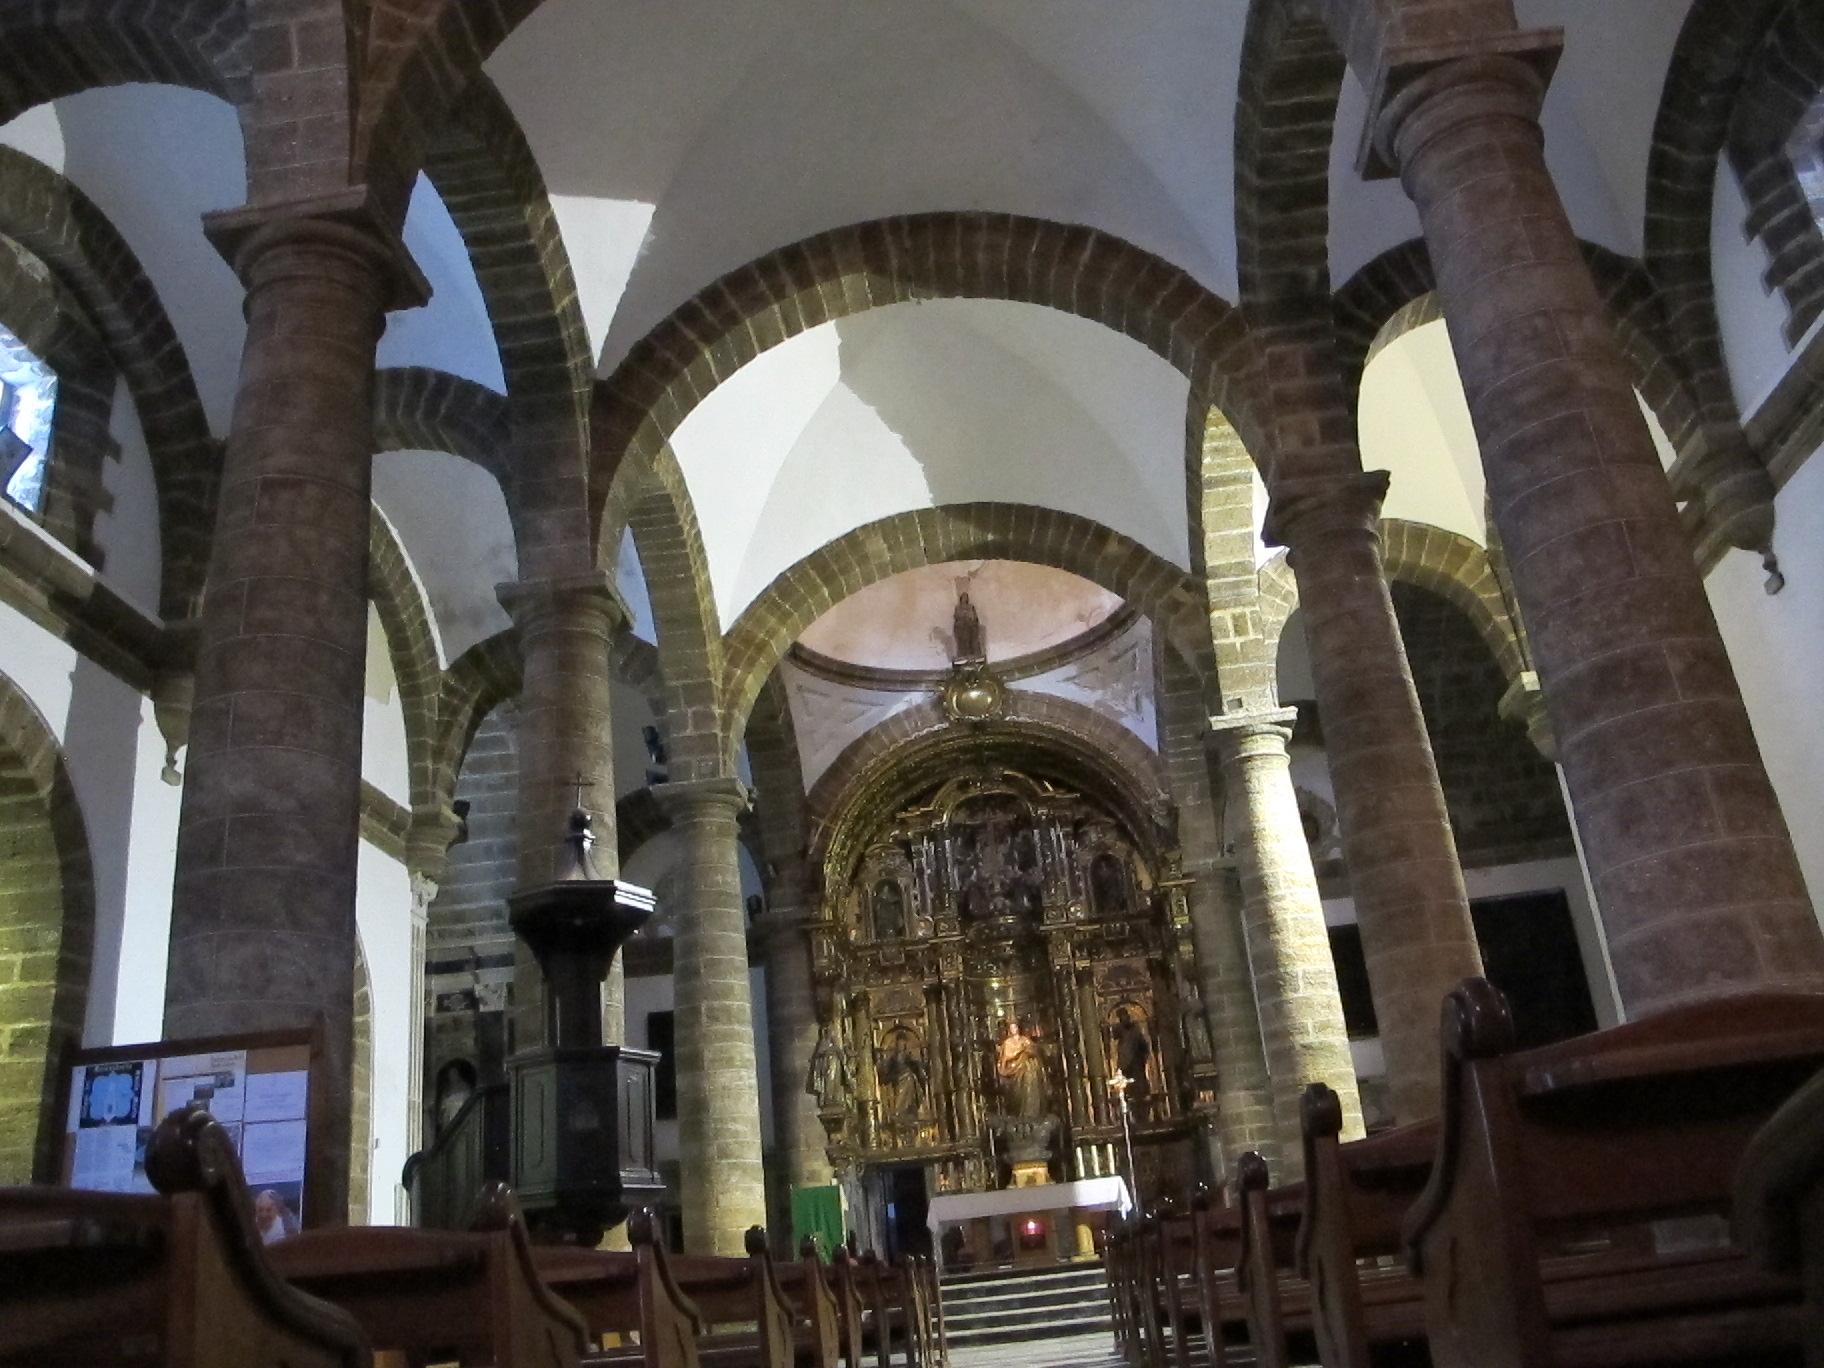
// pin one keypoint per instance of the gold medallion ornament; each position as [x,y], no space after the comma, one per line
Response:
[972,694]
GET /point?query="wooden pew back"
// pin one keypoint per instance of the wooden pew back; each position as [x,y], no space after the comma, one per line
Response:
[1593,1136]
[476,1294]
[180,1278]
[1356,1199]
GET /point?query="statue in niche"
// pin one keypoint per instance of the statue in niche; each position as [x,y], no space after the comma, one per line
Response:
[1019,1069]
[969,641]
[1107,885]
[1133,1051]
[903,1076]
[1197,1037]
[831,1078]
[889,906]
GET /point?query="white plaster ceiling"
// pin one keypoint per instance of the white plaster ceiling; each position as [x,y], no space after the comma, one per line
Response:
[921,405]
[682,138]
[698,135]
[904,621]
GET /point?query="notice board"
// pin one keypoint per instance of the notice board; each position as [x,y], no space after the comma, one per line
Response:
[257,1086]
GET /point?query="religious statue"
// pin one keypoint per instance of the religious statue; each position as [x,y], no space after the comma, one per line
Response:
[971,642]
[831,1078]
[889,905]
[1107,885]
[1197,1037]
[1020,1070]
[903,1077]
[1132,1052]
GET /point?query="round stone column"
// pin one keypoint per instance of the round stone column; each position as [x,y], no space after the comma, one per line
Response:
[718,1084]
[1699,890]
[1244,1099]
[1403,871]
[1288,945]
[800,1145]
[565,734]
[263,903]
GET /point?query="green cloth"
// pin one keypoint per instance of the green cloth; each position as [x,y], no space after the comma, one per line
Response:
[817,1212]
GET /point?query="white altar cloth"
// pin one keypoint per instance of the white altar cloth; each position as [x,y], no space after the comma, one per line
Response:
[1092,1194]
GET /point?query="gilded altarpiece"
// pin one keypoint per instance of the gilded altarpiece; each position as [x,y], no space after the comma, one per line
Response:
[988,955]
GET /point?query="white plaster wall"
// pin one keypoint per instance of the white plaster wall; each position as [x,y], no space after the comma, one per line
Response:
[1777,646]
[128,533]
[383,905]
[1752,317]
[450,333]
[114,753]
[385,758]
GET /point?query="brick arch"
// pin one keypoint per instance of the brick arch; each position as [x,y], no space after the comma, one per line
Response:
[1134,765]
[412,648]
[422,57]
[476,683]
[489,674]
[46,937]
[481,165]
[1446,563]
[56,48]
[845,271]
[55,222]
[779,796]
[1703,83]
[1783,81]
[361,1129]
[417,408]
[1393,294]
[928,536]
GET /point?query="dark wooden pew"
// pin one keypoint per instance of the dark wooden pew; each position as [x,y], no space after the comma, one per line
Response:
[1542,1237]
[1173,1256]
[1356,1199]
[473,1296]
[179,1280]
[1275,1298]
[813,1300]
[1215,1257]
[1779,1203]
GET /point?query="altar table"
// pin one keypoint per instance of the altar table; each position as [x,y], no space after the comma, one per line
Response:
[1086,1194]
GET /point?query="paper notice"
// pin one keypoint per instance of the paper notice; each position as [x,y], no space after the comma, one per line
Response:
[104,1159]
[276,1096]
[273,1152]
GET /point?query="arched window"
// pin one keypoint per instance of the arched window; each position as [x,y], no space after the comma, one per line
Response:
[28,402]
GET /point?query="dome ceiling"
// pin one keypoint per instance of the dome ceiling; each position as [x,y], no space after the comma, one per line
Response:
[904,622]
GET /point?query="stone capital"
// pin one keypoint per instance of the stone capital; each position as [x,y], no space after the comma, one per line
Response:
[533,603]
[267,241]
[1242,736]
[1303,510]
[685,798]
[433,831]
[1408,75]
[1524,702]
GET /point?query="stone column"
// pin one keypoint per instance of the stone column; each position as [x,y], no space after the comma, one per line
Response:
[799,1141]
[1694,869]
[718,1084]
[566,627]
[1244,1100]
[263,906]
[1301,1011]
[424,892]
[1403,872]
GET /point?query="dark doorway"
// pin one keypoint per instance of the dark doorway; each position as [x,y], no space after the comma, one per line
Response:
[1529,951]
[907,1207]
